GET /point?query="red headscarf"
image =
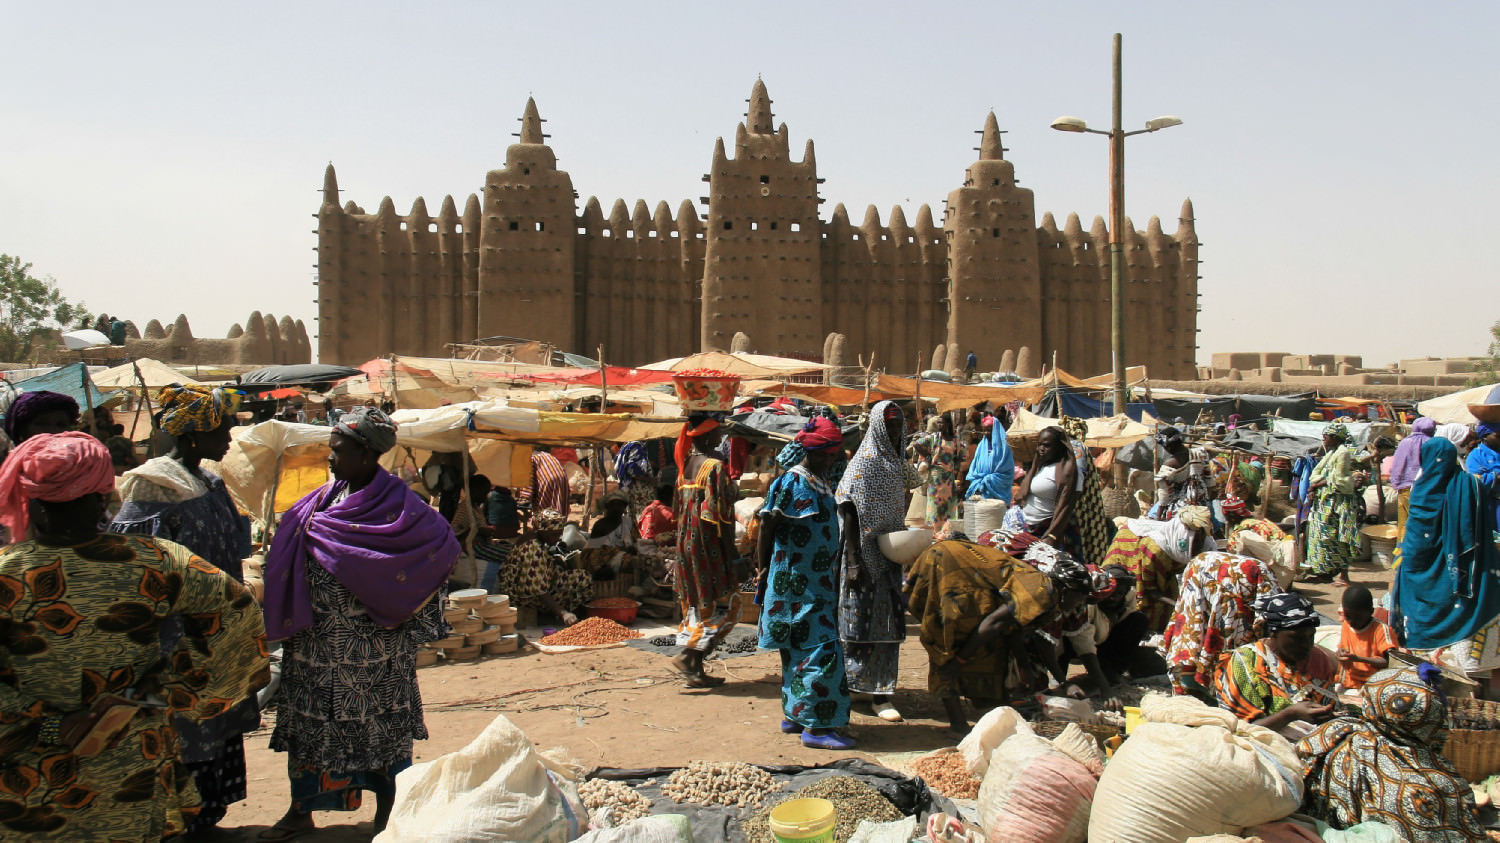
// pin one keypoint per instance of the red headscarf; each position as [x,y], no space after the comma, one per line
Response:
[52,467]
[685,444]
[1234,506]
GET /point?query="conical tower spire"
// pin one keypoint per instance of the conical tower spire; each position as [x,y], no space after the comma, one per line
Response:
[531,124]
[758,119]
[330,186]
[990,148]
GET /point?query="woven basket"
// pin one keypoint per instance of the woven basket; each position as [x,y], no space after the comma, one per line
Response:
[1474,715]
[1118,502]
[1476,754]
[1050,729]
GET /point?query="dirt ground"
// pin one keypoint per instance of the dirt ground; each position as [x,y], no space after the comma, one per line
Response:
[622,708]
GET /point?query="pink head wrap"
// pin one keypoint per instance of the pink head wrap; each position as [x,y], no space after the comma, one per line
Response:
[820,434]
[52,467]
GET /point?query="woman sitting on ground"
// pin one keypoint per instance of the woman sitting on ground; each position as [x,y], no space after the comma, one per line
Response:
[536,579]
[613,528]
[1156,553]
[1386,764]
[975,605]
[1214,615]
[657,524]
[1048,491]
[1284,677]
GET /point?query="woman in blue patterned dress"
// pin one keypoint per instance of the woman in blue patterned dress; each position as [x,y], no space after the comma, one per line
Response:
[175,497]
[797,558]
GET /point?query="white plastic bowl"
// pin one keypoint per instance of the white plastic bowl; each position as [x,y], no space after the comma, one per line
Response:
[904,546]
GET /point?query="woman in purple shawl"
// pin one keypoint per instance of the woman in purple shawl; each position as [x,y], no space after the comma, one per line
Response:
[1406,465]
[354,584]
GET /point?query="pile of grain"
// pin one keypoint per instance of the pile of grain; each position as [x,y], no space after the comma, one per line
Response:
[623,802]
[853,799]
[948,774]
[732,783]
[590,633]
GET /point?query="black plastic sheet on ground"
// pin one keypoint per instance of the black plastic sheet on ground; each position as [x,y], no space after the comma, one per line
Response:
[718,822]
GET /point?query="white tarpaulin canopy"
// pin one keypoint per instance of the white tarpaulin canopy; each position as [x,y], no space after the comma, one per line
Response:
[87,338]
[1454,408]
[156,373]
[1111,432]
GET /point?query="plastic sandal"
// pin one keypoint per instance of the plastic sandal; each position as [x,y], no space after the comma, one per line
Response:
[827,740]
[790,728]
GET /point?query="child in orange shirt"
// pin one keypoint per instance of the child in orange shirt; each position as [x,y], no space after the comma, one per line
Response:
[1363,641]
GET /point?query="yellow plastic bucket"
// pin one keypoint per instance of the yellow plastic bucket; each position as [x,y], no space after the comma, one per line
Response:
[1132,718]
[804,821]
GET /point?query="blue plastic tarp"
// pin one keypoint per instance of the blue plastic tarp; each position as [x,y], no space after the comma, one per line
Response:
[70,380]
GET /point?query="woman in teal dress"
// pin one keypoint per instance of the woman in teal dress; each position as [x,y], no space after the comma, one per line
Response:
[796,557]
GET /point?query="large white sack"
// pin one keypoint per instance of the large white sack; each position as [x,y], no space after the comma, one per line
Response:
[1193,771]
[1035,793]
[498,789]
[993,728]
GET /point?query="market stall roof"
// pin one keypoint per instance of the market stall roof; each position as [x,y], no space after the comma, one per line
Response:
[1454,408]
[86,338]
[300,373]
[953,396]
[740,363]
[155,373]
[1111,432]
[72,380]
[1061,377]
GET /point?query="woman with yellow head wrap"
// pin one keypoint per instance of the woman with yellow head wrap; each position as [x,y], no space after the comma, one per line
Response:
[177,497]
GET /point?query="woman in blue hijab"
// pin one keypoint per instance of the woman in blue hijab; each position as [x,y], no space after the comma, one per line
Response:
[992,472]
[1448,586]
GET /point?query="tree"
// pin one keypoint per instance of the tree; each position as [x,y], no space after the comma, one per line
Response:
[31,309]
[1487,370]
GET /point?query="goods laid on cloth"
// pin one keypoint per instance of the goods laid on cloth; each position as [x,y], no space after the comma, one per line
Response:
[907,796]
[588,634]
[498,789]
[1034,792]
[853,802]
[611,803]
[1191,771]
[738,643]
[946,772]
[720,783]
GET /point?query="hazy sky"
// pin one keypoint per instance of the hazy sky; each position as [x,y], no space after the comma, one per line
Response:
[160,158]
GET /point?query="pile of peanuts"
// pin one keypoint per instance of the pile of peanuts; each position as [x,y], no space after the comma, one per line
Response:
[732,783]
[623,802]
[948,774]
[589,633]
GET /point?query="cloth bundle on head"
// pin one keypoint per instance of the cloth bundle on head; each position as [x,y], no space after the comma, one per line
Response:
[696,425]
[1196,517]
[1485,428]
[1234,506]
[52,467]
[1066,572]
[1076,428]
[369,427]
[549,519]
[819,434]
[1338,430]
[196,408]
[33,404]
[1287,610]
[1454,432]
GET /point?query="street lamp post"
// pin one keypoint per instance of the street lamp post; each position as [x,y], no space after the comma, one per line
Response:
[1117,136]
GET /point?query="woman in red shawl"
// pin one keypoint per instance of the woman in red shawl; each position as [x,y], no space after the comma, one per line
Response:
[705,549]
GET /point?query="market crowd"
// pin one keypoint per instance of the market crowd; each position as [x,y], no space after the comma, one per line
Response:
[1037,560]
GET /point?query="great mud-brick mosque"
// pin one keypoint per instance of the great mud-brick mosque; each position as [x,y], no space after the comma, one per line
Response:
[761,262]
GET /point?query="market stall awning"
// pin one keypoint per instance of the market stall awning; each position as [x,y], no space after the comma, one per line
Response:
[1454,408]
[614,376]
[743,364]
[1111,432]
[954,396]
[302,373]
[72,380]
[155,373]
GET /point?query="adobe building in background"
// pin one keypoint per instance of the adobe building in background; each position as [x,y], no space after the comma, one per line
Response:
[522,260]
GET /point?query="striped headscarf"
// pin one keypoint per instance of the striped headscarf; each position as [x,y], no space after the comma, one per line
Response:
[52,467]
[196,408]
